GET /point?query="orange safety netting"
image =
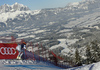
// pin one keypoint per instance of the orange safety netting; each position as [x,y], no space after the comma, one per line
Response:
[56,56]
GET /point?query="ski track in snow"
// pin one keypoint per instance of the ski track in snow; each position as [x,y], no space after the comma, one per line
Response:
[91,67]
[31,66]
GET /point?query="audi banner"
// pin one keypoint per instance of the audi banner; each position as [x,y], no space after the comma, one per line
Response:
[8,51]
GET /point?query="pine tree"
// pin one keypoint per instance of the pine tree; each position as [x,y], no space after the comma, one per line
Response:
[88,55]
[95,51]
[77,57]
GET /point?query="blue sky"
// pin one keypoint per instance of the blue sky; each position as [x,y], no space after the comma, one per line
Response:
[39,4]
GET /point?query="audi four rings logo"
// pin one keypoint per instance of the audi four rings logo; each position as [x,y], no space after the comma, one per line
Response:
[7,51]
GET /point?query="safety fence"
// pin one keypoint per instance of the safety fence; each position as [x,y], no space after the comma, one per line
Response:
[39,53]
[29,55]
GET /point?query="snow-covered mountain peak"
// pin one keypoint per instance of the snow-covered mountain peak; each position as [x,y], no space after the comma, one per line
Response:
[6,5]
[74,4]
[18,4]
[19,7]
[83,5]
[12,8]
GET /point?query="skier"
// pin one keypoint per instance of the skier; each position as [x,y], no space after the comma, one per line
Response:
[21,49]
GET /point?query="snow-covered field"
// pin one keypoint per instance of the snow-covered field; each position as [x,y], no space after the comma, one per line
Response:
[65,43]
[94,66]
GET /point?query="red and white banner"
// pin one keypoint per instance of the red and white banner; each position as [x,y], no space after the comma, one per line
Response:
[8,51]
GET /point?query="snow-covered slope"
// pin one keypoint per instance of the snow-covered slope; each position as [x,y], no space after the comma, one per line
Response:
[20,14]
[30,64]
[12,15]
[94,66]
[65,43]
[85,21]
[26,65]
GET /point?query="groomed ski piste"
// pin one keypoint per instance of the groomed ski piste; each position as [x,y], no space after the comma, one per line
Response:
[25,65]
[35,65]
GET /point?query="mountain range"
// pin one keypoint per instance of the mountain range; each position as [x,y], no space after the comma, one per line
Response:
[13,15]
